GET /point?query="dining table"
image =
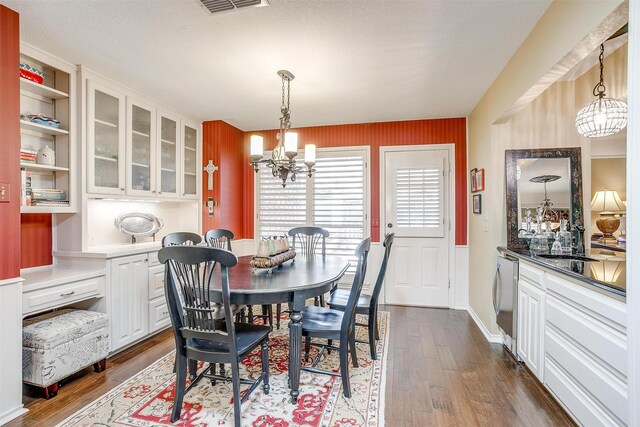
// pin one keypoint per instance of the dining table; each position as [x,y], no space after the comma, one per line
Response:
[293,282]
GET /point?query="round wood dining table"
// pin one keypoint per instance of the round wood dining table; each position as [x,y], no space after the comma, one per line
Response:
[293,282]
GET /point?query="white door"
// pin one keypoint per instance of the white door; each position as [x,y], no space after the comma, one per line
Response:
[416,200]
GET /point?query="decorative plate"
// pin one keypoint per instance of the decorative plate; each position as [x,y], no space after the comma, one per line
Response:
[138,224]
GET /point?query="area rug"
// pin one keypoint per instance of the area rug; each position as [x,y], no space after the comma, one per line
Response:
[146,399]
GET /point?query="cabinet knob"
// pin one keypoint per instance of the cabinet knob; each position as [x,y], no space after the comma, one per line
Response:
[121,189]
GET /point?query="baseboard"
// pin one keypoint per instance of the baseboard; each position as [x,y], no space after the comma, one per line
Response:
[14,413]
[492,338]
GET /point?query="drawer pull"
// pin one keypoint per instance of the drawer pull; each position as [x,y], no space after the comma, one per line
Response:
[66,294]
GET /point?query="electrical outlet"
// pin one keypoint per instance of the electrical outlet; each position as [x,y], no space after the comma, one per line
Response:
[210,204]
[5,192]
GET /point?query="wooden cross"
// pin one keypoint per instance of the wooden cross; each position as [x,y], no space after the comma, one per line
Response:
[210,169]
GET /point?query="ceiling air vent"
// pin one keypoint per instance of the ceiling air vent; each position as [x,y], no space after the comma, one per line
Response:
[219,6]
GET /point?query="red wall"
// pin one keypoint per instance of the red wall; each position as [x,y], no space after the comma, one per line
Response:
[413,132]
[35,234]
[9,142]
[223,144]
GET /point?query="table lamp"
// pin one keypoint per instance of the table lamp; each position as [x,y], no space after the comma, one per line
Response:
[607,202]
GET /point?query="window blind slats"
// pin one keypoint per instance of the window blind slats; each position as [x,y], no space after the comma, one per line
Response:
[337,201]
[419,197]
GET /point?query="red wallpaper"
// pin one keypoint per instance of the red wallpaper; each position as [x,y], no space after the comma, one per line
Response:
[222,143]
[35,234]
[413,132]
[9,142]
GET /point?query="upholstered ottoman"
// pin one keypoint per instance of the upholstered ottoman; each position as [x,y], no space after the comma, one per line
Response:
[58,344]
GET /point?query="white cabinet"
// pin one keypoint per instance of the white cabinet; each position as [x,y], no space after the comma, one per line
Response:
[531,327]
[136,148]
[191,155]
[168,155]
[128,301]
[105,139]
[55,98]
[141,148]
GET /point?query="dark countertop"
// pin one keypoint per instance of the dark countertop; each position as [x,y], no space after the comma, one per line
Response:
[607,273]
[619,247]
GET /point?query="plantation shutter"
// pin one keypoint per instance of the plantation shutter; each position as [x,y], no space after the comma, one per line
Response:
[339,197]
[280,208]
[335,199]
[419,201]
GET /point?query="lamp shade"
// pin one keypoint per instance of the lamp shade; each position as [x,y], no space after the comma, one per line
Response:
[602,117]
[256,146]
[607,201]
[310,153]
[291,142]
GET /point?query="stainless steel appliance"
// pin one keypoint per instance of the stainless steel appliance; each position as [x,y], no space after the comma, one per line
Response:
[505,301]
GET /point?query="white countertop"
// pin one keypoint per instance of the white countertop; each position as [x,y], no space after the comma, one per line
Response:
[112,251]
[54,275]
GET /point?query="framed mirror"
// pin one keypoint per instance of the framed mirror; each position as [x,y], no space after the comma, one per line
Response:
[543,187]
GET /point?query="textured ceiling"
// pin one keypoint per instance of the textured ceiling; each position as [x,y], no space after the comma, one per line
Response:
[354,61]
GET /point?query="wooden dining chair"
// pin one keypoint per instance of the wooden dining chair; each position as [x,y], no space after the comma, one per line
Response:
[367,304]
[221,239]
[202,329]
[329,324]
[181,238]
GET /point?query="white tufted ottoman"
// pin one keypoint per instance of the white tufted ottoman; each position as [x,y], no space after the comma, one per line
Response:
[58,344]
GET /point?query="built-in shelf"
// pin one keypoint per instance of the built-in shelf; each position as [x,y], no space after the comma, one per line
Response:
[42,128]
[102,122]
[37,167]
[42,90]
[108,159]
[47,209]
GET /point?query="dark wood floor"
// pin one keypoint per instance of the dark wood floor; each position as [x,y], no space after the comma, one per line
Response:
[441,371]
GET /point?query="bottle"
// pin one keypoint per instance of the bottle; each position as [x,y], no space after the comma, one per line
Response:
[556,248]
[564,236]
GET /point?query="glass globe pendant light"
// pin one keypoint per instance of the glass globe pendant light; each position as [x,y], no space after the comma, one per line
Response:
[603,116]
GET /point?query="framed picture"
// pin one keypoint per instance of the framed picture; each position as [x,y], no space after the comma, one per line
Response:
[472,179]
[477,203]
[479,179]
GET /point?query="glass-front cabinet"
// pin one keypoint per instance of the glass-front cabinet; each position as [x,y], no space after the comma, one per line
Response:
[190,160]
[105,139]
[168,174]
[141,148]
[137,149]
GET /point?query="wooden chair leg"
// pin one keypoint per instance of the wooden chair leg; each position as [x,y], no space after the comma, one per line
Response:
[213,367]
[100,365]
[250,313]
[372,337]
[181,380]
[193,369]
[352,349]
[321,298]
[344,369]
[375,320]
[307,348]
[329,342]
[278,312]
[265,366]
[235,379]
[50,391]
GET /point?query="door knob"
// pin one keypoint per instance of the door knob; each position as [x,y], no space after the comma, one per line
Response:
[389,225]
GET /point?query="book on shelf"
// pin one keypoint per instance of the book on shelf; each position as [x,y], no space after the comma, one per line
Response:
[36,202]
[25,188]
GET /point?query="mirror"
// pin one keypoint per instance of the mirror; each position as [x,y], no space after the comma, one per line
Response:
[543,187]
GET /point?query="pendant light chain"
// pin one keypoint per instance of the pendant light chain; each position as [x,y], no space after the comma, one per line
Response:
[599,88]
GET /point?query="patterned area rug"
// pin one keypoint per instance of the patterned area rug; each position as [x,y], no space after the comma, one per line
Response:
[146,399]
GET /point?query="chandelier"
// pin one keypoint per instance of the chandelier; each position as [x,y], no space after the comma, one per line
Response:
[603,116]
[282,162]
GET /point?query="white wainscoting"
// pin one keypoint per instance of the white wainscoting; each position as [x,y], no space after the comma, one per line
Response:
[11,354]
[460,278]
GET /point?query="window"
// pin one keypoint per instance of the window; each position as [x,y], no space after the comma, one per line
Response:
[336,198]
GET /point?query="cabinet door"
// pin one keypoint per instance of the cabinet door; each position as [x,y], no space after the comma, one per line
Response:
[531,325]
[128,300]
[168,172]
[190,160]
[105,139]
[141,148]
